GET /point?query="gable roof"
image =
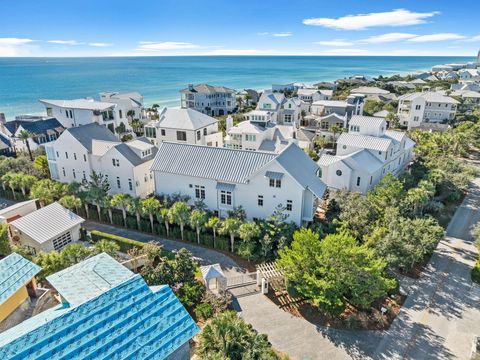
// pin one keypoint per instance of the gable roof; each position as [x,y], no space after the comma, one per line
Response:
[126,150]
[205,88]
[81,104]
[47,222]
[128,321]
[220,164]
[15,272]
[186,119]
[364,141]
[367,121]
[331,103]
[40,127]
[430,96]
[363,159]
[89,278]
[366,90]
[86,133]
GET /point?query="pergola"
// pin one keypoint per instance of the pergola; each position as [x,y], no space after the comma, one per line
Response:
[271,274]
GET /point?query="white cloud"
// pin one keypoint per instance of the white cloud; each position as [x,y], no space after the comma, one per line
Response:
[285,34]
[336,42]
[98,44]
[399,17]
[346,52]
[65,42]
[167,45]
[437,37]
[385,38]
[473,39]
[14,47]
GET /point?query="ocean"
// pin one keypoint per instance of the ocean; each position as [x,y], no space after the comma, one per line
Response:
[25,80]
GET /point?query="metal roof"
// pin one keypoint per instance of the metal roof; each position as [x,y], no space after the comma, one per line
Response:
[41,126]
[225,186]
[368,121]
[83,104]
[221,164]
[185,119]
[47,223]
[128,321]
[15,272]
[88,279]
[126,150]
[86,133]
[395,135]
[205,88]
[212,271]
[364,160]
[364,141]
[274,175]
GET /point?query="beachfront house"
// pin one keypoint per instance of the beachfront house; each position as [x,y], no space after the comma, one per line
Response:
[46,229]
[129,106]
[106,312]
[186,126]
[312,95]
[225,179]
[83,150]
[17,283]
[427,106]
[469,75]
[365,155]
[208,99]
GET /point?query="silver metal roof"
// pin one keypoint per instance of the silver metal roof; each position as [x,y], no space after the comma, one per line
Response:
[364,141]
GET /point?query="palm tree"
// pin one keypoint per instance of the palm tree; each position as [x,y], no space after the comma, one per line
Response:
[162,216]
[149,207]
[231,227]
[134,207]
[41,164]
[98,187]
[393,120]
[197,221]
[335,130]
[11,180]
[179,214]
[83,196]
[25,136]
[70,202]
[107,203]
[26,182]
[121,201]
[248,231]
[214,224]
[106,246]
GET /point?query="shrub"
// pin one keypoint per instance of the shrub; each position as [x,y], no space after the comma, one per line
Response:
[124,243]
[203,311]
[476,272]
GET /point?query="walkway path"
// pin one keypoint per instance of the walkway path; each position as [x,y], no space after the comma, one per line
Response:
[439,319]
[204,255]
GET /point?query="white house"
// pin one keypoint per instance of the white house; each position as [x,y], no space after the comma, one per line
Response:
[353,105]
[78,112]
[282,110]
[312,95]
[225,179]
[272,102]
[427,106]
[365,154]
[469,75]
[130,102]
[184,125]
[42,131]
[80,151]
[208,99]
[46,229]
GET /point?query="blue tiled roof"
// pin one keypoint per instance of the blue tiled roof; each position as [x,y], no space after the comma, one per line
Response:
[15,271]
[128,321]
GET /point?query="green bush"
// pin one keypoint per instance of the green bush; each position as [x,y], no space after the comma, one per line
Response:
[203,311]
[124,243]
[117,219]
[476,272]
[145,225]
[131,223]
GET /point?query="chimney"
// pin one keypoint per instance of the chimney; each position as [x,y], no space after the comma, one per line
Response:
[190,87]
[229,122]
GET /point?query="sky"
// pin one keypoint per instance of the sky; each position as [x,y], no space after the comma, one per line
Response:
[230,27]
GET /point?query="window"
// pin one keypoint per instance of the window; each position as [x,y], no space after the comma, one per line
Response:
[418,107]
[200,192]
[249,137]
[358,181]
[199,134]
[58,155]
[120,114]
[226,197]
[287,118]
[272,182]
[260,200]
[115,162]
[278,183]
[74,156]
[49,111]
[415,118]
[181,135]
[62,240]
[84,176]
[289,205]
[74,175]
[118,183]
[205,132]
[130,185]
[338,172]
[66,155]
[151,132]
[63,171]
[267,106]
[84,157]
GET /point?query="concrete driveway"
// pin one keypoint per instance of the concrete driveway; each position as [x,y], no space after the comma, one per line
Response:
[439,319]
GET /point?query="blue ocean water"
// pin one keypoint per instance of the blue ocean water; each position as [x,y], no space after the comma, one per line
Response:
[25,80]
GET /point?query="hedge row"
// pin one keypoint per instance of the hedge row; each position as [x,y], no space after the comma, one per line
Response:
[124,243]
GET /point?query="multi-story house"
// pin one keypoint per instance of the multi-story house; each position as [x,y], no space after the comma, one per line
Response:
[427,106]
[226,178]
[282,110]
[207,99]
[186,126]
[312,95]
[365,155]
[353,105]
[129,106]
[42,130]
[83,150]
[78,112]
[469,75]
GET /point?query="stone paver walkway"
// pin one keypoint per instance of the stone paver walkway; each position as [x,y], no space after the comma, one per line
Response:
[205,256]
